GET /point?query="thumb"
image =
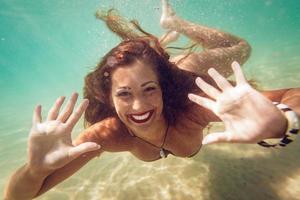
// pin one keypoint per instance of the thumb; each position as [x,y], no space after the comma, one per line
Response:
[217,137]
[83,148]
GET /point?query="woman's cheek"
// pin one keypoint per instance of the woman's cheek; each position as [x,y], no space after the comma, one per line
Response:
[120,106]
[156,98]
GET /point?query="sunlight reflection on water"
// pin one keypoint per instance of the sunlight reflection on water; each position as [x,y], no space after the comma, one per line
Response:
[217,172]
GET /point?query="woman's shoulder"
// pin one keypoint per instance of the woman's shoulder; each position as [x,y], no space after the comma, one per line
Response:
[110,133]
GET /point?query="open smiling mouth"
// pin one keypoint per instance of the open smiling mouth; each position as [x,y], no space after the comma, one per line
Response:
[141,118]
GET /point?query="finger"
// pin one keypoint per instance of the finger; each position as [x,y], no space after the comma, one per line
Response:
[67,111]
[75,116]
[83,148]
[37,117]
[222,82]
[205,102]
[208,89]
[217,137]
[238,73]
[53,112]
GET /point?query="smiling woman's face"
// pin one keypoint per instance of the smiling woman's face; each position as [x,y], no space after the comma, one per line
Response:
[136,96]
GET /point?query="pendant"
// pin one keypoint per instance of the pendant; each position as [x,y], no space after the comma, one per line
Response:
[162,153]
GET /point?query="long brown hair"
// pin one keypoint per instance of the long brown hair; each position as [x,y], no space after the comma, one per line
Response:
[175,83]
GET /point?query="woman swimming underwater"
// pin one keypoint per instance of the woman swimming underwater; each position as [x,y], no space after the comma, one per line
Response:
[139,100]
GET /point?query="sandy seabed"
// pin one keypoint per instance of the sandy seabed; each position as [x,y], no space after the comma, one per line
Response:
[220,171]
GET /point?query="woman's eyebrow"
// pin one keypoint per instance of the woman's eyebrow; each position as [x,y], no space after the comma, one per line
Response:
[148,82]
[124,88]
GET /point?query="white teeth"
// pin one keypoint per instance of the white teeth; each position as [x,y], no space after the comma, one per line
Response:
[141,117]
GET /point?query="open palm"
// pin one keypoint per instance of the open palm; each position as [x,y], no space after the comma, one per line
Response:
[50,145]
[249,117]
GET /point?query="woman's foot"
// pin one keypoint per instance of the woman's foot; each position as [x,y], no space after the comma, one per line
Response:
[107,14]
[101,14]
[169,37]
[168,16]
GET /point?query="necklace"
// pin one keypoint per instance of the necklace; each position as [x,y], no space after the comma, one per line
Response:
[162,150]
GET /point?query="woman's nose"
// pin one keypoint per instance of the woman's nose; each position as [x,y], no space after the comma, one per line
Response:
[138,104]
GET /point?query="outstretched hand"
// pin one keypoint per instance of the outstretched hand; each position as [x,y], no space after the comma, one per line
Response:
[50,144]
[248,116]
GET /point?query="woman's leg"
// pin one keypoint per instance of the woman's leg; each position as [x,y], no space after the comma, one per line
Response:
[168,37]
[118,24]
[125,29]
[220,48]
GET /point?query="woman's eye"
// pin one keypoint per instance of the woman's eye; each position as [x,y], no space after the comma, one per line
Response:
[123,94]
[150,89]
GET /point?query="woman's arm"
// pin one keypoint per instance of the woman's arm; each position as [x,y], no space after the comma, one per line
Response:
[50,148]
[65,172]
[290,97]
[25,183]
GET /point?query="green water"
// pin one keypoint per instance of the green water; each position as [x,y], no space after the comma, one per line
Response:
[47,47]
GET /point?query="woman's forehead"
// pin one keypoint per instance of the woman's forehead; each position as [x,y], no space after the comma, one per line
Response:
[136,73]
